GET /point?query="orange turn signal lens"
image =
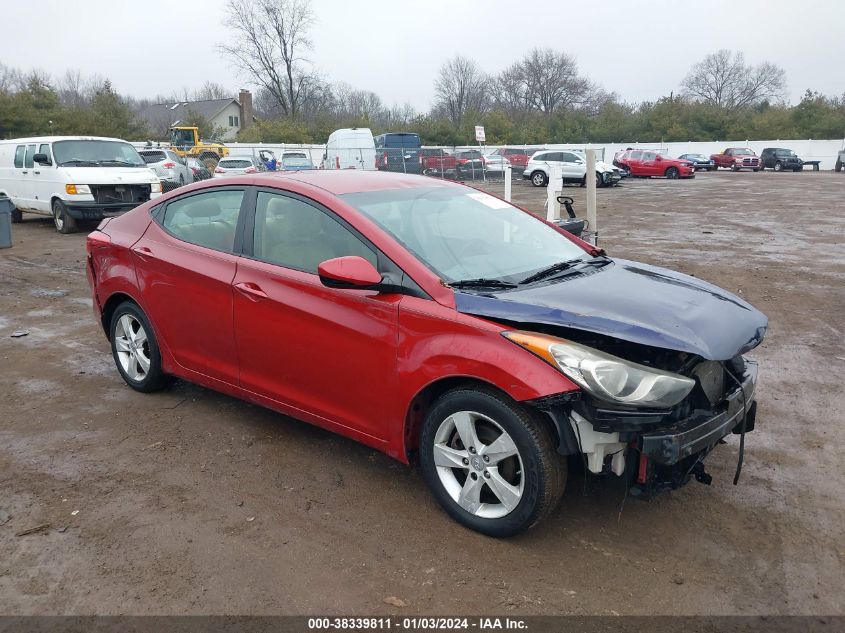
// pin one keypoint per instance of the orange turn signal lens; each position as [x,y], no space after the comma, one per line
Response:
[537,344]
[71,189]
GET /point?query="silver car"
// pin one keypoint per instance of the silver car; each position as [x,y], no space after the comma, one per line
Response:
[237,165]
[171,168]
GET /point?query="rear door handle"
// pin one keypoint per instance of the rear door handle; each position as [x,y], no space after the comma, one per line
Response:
[251,290]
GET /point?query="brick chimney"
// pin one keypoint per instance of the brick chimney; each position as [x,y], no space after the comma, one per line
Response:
[245,99]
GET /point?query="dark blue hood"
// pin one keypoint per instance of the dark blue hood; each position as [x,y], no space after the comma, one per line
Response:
[633,302]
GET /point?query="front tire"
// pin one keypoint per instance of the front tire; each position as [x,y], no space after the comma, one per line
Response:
[778,166]
[135,349]
[838,166]
[62,219]
[489,464]
[539,179]
[672,173]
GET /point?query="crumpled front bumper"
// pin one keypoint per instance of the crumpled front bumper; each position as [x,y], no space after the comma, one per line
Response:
[699,432]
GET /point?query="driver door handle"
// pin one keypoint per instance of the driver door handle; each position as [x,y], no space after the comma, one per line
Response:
[251,290]
[143,252]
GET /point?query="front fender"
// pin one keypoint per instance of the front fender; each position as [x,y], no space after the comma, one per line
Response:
[438,343]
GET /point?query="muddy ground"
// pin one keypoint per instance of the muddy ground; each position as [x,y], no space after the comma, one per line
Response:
[188,501]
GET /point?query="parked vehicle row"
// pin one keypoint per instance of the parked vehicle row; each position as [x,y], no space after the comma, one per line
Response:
[573,167]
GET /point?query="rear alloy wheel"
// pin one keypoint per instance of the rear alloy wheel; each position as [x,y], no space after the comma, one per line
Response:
[539,179]
[672,173]
[778,166]
[135,349]
[61,218]
[490,465]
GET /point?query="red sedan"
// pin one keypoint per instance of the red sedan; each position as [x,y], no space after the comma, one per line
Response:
[432,321]
[646,163]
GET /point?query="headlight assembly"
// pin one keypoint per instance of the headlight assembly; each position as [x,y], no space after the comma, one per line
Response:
[607,377]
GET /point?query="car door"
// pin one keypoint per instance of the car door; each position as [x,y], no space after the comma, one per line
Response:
[329,352]
[649,166]
[185,264]
[17,179]
[26,174]
[43,181]
[573,166]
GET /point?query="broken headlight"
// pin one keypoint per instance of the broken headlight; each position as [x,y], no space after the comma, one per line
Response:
[607,377]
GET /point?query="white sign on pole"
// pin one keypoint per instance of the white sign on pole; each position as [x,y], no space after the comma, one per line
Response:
[479,134]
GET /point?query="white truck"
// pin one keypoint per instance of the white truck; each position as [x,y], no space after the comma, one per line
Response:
[74,178]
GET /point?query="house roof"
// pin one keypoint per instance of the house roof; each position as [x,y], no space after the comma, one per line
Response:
[177,111]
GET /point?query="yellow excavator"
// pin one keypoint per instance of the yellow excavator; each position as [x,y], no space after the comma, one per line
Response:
[185,141]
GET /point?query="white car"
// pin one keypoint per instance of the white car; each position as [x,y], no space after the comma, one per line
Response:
[74,178]
[573,166]
[495,163]
[168,166]
[238,165]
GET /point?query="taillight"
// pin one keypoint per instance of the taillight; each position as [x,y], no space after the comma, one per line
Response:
[218,170]
[169,165]
[249,170]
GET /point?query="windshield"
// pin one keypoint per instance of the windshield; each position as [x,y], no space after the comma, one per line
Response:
[460,233]
[96,154]
[182,138]
[743,151]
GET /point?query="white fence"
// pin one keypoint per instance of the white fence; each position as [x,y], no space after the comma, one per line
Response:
[824,151]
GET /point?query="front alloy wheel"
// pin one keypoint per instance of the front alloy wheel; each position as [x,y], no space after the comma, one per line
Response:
[490,465]
[538,179]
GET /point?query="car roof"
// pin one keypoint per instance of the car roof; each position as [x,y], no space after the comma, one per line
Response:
[342,181]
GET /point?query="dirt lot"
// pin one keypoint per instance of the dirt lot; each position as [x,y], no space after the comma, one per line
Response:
[192,502]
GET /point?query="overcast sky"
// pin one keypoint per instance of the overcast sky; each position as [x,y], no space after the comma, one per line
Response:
[637,48]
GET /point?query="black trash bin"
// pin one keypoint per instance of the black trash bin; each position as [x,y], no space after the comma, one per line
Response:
[6,208]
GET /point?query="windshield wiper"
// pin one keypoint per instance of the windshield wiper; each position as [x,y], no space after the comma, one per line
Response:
[119,162]
[564,266]
[482,282]
[79,161]
[551,270]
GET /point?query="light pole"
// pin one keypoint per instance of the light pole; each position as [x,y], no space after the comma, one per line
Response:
[51,127]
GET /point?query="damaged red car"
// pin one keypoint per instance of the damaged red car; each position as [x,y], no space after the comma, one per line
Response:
[432,322]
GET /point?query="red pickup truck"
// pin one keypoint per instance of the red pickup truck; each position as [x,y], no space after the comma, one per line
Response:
[437,162]
[737,158]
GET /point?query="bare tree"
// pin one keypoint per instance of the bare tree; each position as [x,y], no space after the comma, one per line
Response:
[723,79]
[353,103]
[545,80]
[461,87]
[212,90]
[271,39]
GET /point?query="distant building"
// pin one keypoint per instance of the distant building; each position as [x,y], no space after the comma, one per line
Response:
[229,115]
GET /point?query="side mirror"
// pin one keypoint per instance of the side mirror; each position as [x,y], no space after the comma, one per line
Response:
[351,272]
[42,159]
[658,157]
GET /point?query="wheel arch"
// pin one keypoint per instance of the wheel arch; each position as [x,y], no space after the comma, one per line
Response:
[428,395]
[114,300]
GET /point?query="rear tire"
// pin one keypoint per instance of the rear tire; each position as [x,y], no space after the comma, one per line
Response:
[135,349]
[506,477]
[61,218]
[539,179]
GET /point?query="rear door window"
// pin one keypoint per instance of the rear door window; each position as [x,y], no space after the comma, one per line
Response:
[206,219]
[30,154]
[20,150]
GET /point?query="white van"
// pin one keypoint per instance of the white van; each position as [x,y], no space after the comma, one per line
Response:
[350,148]
[74,178]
